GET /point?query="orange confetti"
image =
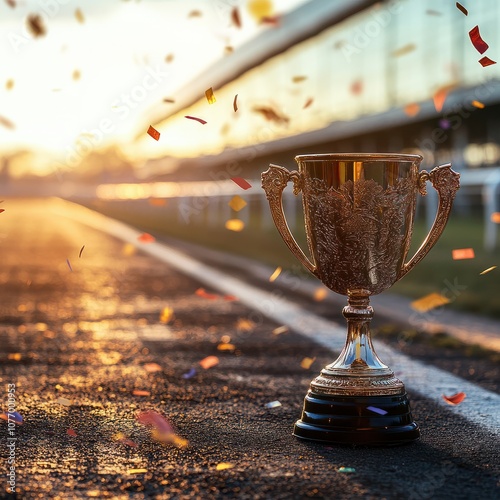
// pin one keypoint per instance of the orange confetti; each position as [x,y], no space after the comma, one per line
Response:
[462,253]
[429,302]
[406,49]
[281,329]
[307,362]
[6,123]
[15,356]
[275,274]
[153,133]
[495,217]
[152,367]
[455,399]
[488,270]
[79,16]
[203,122]
[225,346]
[486,61]
[235,17]
[139,392]
[439,97]
[166,315]
[235,103]
[308,103]
[241,182]
[209,362]
[146,238]
[71,432]
[201,292]
[224,466]
[412,109]
[230,298]
[237,203]
[478,104]
[209,94]
[128,250]
[157,202]
[462,9]
[299,78]
[235,225]
[320,294]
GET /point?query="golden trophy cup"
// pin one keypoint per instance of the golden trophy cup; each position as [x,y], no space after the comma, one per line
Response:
[359,212]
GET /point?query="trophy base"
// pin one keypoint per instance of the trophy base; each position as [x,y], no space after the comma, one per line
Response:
[360,420]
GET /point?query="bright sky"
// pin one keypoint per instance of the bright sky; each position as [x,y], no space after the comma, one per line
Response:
[97,78]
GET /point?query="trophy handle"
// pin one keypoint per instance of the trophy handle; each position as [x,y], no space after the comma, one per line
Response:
[274,181]
[446,182]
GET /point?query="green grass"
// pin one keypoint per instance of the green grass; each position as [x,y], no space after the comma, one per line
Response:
[438,271]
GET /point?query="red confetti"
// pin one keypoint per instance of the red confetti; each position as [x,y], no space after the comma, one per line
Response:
[480,45]
[486,61]
[128,442]
[81,250]
[456,399]
[270,114]
[154,419]
[71,432]
[139,392]
[462,9]
[272,20]
[201,292]
[308,103]
[235,17]
[2,210]
[153,133]
[196,119]
[230,298]
[462,253]
[146,238]
[235,103]
[241,182]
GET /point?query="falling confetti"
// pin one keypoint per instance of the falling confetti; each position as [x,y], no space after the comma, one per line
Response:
[230,298]
[488,270]
[307,362]
[13,416]
[237,203]
[35,25]
[346,469]
[226,347]
[169,100]
[195,13]
[209,362]
[486,61]
[299,78]
[11,3]
[462,253]
[153,419]
[259,9]
[76,75]
[209,94]
[241,182]
[478,104]
[166,315]
[81,250]
[462,9]
[320,294]
[2,210]
[270,114]
[235,103]
[374,409]
[412,109]
[146,238]
[495,217]
[69,265]
[433,12]
[406,49]
[224,466]
[169,58]
[203,122]
[271,20]
[71,432]
[235,17]
[281,329]
[444,124]
[235,225]
[128,250]
[190,374]
[6,123]
[63,401]
[429,302]
[79,16]
[273,404]
[275,274]
[15,356]
[201,292]
[475,37]
[124,440]
[439,98]
[9,84]
[139,392]
[137,471]
[357,87]
[157,202]
[245,325]
[153,133]
[455,399]
[308,103]
[152,367]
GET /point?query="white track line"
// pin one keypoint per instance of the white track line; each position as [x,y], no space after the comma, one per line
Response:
[480,407]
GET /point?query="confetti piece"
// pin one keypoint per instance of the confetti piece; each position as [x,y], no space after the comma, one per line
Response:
[139,392]
[273,404]
[356,87]
[15,356]
[128,442]
[230,298]
[307,362]
[76,75]
[201,292]
[166,315]
[152,132]
[439,98]
[209,362]
[157,202]
[146,238]
[11,3]
[495,217]
[128,250]
[429,302]
[237,203]
[308,103]
[6,123]
[486,61]
[79,16]
[433,12]
[81,250]
[281,329]
[69,265]
[224,466]
[71,432]
[444,124]
[346,469]
[462,253]
[235,225]
[235,17]
[195,119]
[480,45]
[226,347]
[412,109]
[35,25]
[195,13]
[209,94]
[260,8]
[235,103]
[169,58]
[190,374]
[270,114]
[152,367]
[241,182]
[168,99]
[455,399]
[478,104]
[63,401]
[320,294]
[245,325]
[13,416]
[374,409]
[406,49]
[462,9]
[488,270]
[137,471]
[275,274]
[272,20]
[153,419]
[9,84]
[299,78]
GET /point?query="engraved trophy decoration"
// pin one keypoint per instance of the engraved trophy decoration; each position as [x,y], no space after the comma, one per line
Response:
[359,212]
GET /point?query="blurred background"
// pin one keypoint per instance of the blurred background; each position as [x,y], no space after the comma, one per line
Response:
[233,85]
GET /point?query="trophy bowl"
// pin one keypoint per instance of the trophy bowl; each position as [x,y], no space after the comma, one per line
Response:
[359,213]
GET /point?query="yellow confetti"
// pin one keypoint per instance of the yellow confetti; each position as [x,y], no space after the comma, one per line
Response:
[429,302]
[245,325]
[209,94]
[406,49]
[298,79]
[9,84]
[79,16]
[137,471]
[63,401]
[235,225]
[224,466]
[488,270]
[225,346]
[259,9]
[320,294]
[76,75]
[478,104]
[307,362]
[281,329]
[15,356]
[276,273]
[128,250]
[166,315]
[237,203]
